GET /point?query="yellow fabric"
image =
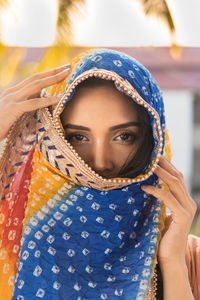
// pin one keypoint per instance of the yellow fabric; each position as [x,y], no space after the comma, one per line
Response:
[45,182]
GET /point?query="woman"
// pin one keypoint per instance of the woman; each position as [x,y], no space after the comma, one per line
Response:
[80,188]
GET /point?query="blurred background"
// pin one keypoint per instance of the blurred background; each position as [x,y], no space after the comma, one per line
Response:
[37,35]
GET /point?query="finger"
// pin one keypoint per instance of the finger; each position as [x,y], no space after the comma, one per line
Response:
[174,185]
[36,103]
[169,167]
[166,196]
[36,76]
[34,88]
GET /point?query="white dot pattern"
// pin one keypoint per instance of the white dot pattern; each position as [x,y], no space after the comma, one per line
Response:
[91,247]
[90,244]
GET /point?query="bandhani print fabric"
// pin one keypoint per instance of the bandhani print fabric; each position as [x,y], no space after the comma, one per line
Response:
[65,232]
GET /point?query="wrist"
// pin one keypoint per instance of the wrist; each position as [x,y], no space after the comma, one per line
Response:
[176,284]
[173,267]
[173,260]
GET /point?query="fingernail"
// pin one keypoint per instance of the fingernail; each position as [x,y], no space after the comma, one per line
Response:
[144,187]
[67,66]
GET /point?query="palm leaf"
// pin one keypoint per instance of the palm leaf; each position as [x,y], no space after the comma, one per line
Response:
[160,9]
[65,9]
[58,53]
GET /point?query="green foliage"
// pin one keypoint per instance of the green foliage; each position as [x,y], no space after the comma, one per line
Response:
[64,27]
[160,9]
[157,8]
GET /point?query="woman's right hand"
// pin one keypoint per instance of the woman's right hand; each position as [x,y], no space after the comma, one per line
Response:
[25,96]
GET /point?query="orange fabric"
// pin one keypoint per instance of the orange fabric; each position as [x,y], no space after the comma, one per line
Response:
[193,264]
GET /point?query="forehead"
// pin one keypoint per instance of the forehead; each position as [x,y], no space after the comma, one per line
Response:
[104,103]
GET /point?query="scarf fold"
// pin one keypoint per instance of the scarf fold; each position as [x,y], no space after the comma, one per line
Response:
[66,232]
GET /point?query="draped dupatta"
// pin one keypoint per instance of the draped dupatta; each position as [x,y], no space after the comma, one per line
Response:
[65,231]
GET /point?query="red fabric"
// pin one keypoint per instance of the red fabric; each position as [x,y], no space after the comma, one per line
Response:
[12,211]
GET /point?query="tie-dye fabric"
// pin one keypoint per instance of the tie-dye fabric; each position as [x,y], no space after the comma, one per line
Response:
[62,239]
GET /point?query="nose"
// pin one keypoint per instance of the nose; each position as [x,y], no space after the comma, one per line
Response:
[102,160]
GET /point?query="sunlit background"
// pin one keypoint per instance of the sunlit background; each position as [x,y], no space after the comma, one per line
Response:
[32,23]
[30,43]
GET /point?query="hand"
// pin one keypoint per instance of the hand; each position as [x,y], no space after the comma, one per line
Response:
[25,96]
[173,242]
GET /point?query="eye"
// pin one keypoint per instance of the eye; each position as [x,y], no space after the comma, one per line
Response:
[126,137]
[76,137]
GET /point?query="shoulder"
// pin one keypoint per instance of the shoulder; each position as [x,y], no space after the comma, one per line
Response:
[193,263]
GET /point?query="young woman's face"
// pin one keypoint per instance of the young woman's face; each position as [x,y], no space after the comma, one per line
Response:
[102,126]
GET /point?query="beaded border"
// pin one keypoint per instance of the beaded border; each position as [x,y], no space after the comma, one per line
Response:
[129,90]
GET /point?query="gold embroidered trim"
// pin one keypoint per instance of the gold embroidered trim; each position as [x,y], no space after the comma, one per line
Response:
[19,141]
[65,147]
[152,292]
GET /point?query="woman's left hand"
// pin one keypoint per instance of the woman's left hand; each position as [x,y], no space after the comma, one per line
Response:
[173,242]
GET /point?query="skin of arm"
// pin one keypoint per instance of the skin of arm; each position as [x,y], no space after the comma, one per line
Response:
[172,247]
[175,281]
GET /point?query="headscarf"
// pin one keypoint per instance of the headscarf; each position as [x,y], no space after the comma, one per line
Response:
[65,231]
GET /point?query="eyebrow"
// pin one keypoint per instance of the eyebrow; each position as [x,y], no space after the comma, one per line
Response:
[124,125]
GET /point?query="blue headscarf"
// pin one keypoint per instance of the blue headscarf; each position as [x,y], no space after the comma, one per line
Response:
[104,245]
